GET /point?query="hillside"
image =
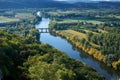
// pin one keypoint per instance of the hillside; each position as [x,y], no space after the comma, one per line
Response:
[55,4]
[29,4]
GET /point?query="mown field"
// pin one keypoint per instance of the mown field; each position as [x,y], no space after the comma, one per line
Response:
[24,16]
[75,33]
[4,19]
[10,16]
[79,20]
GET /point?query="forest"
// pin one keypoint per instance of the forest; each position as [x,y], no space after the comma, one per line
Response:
[24,57]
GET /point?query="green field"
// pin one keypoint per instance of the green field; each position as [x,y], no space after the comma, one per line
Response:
[79,20]
[24,16]
[6,19]
[75,33]
[59,12]
[17,17]
[117,17]
[79,35]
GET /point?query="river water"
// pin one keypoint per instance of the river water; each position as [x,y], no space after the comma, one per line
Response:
[66,47]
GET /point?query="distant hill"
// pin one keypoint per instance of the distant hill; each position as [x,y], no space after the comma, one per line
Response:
[99,5]
[5,4]
[31,4]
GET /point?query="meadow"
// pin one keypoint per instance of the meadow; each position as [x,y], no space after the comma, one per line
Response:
[4,19]
[70,20]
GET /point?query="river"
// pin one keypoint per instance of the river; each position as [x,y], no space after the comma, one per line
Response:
[72,52]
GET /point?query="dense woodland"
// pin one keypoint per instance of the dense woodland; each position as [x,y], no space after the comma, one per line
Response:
[22,60]
[23,57]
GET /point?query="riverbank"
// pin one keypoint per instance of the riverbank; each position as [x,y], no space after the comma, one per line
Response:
[80,44]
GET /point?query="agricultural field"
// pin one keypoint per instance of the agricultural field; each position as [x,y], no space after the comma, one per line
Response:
[75,33]
[80,20]
[59,12]
[4,19]
[117,17]
[24,16]
[8,16]
[80,35]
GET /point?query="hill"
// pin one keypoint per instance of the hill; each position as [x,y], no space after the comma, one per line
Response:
[5,4]
[31,4]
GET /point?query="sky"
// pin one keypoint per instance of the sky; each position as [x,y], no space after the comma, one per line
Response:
[85,0]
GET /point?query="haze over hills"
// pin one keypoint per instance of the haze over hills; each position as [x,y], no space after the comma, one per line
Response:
[85,0]
[73,1]
[29,3]
[59,4]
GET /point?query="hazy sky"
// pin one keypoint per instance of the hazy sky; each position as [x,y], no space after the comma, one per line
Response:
[86,0]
